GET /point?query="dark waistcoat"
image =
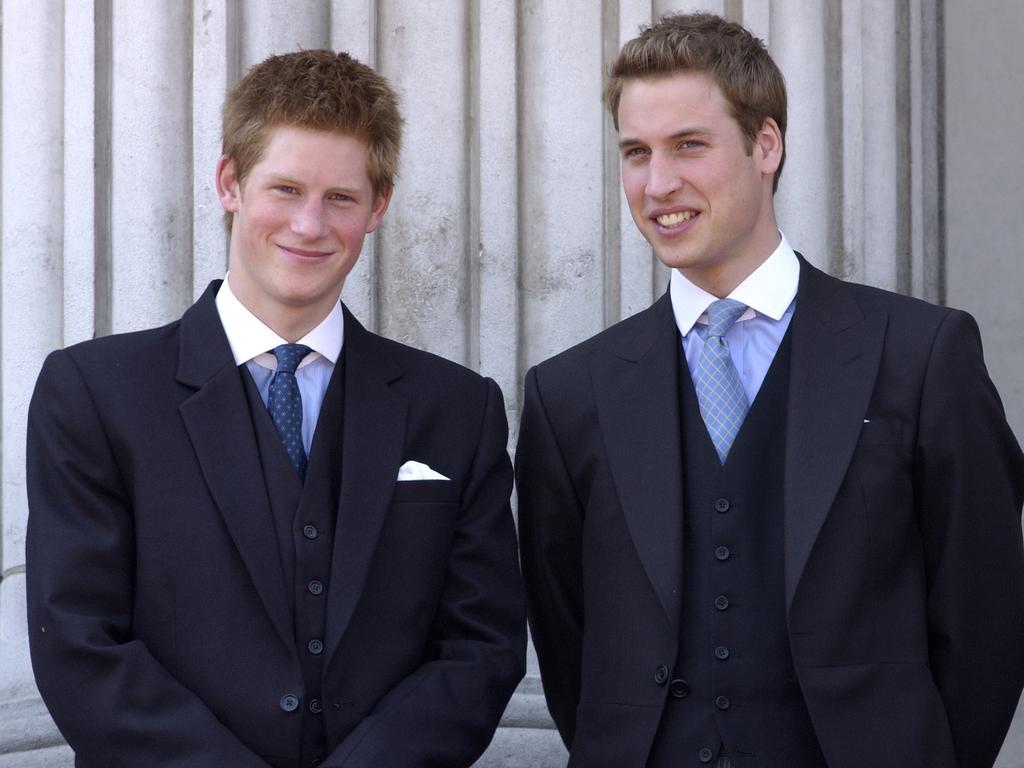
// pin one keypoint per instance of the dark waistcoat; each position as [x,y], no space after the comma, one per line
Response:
[733,686]
[304,520]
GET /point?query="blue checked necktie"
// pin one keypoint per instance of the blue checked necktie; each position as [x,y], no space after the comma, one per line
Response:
[723,403]
[285,402]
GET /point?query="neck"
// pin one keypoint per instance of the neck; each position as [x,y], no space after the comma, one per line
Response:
[722,279]
[291,323]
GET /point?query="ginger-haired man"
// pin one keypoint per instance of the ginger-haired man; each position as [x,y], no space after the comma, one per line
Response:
[776,520]
[262,535]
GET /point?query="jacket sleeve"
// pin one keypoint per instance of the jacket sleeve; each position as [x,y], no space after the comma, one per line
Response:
[446,711]
[969,482]
[550,531]
[111,699]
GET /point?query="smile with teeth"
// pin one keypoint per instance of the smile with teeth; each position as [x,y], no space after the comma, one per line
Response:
[675,219]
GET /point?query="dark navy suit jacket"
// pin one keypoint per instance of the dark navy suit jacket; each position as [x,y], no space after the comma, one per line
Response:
[904,571]
[159,621]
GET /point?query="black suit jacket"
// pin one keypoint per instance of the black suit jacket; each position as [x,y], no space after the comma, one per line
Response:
[904,573]
[159,621]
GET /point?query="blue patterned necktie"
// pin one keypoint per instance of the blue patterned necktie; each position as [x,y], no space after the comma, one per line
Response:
[285,403]
[723,403]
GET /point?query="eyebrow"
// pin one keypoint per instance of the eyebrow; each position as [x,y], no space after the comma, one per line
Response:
[680,134]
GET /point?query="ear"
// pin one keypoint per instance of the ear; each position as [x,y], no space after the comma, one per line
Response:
[381,200]
[228,188]
[768,147]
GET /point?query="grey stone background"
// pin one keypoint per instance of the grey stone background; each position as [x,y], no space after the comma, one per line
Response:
[508,239]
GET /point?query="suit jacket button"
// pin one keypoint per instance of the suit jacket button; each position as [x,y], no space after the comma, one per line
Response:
[721,653]
[722,702]
[705,755]
[679,688]
[661,674]
[315,646]
[310,532]
[721,602]
[722,553]
[315,587]
[289,702]
[315,706]
[722,505]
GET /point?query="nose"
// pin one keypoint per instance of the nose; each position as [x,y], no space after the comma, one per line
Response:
[310,219]
[662,176]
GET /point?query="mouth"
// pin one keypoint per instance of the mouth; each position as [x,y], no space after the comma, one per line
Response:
[304,253]
[676,219]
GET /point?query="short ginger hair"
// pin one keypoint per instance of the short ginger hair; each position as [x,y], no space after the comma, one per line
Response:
[737,61]
[318,90]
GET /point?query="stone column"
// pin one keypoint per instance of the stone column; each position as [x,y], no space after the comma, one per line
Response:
[32,316]
[508,239]
[151,162]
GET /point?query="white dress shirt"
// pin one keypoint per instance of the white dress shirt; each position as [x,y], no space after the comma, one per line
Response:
[251,340]
[770,295]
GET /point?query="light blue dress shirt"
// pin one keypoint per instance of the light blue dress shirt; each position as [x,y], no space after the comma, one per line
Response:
[251,341]
[770,295]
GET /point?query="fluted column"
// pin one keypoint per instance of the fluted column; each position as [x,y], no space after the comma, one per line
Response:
[424,258]
[562,134]
[151,163]
[214,67]
[805,200]
[31,322]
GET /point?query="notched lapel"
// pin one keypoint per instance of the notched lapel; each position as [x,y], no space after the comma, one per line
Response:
[636,388]
[373,438]
[220,428]
[835,357]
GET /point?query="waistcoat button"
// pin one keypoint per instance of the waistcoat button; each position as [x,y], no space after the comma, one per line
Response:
[722,553]
[315,587]
[310,532]
[316,647]
[289,702]
[722,505]
[721,652]
[679,688]
[705,755]
[722,702]
[721,602]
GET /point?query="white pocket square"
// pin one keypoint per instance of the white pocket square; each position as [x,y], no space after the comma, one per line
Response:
[416,470]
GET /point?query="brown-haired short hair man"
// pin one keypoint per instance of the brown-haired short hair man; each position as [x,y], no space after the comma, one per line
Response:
[777,520]
[262,535]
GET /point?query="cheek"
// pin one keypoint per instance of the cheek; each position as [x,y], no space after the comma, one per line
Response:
[260,220]
[633,183]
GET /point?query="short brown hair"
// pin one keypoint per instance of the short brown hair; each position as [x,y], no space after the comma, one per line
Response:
[737,61]
[319,90]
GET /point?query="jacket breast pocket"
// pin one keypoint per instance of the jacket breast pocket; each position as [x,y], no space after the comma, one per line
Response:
[426,492]
[881,432]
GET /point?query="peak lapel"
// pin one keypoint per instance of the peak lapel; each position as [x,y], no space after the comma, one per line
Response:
[220,428]
[374,435]
[835,357]
[637,393]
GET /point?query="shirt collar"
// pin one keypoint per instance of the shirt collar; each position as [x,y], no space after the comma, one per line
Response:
[250,338]
[768,290]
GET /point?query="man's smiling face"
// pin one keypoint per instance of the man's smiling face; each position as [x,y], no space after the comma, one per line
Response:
[698,189]
[300,217]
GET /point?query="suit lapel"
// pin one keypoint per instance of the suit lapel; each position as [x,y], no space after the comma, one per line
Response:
[636,388]
[374,434]
[217,419]
[835,357]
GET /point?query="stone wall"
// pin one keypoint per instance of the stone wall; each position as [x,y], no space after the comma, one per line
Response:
[508,238]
